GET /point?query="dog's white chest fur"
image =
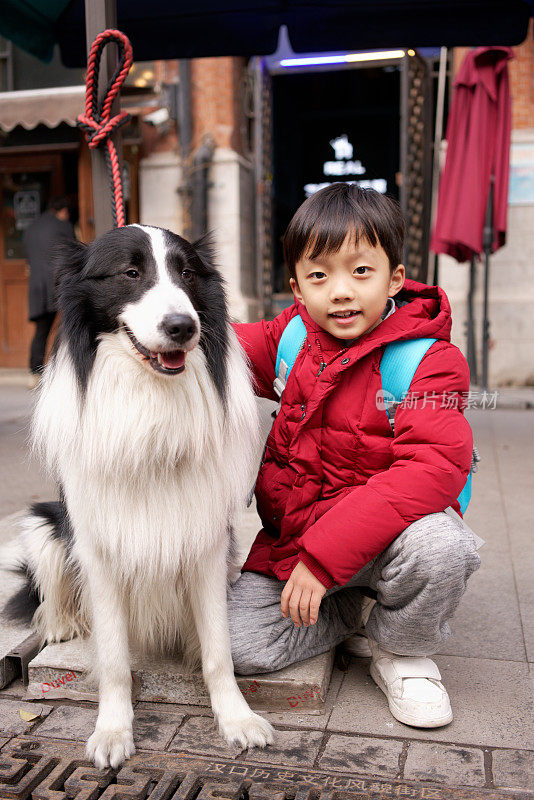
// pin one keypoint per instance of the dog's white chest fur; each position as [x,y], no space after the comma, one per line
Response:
[153,468]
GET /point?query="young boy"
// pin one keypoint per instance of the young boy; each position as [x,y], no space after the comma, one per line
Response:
[344,502]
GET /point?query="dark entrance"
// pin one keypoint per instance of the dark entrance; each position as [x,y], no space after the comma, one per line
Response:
[328,126]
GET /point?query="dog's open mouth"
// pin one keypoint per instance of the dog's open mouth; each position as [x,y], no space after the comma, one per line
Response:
[171,362]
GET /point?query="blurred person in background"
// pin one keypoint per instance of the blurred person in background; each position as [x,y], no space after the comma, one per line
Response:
[39,241]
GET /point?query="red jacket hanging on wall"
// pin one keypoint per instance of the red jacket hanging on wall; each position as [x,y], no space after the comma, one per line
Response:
[478,146]
[335,486]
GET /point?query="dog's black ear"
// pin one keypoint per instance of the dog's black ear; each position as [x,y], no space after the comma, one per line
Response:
[214,337]
[205,249]
[68,258]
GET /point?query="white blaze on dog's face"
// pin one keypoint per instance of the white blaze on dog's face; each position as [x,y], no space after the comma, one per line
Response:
[162,324]
[159,294]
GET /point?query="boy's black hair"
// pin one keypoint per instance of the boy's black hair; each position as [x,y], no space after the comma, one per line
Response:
[321,224]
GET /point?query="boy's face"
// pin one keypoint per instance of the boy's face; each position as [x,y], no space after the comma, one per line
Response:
[346,292]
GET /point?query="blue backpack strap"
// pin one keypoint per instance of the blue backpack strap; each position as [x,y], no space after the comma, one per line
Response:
[289,346]
[465,495]
[397,367]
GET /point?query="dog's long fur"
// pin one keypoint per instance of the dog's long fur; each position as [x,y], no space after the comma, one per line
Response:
[152,468]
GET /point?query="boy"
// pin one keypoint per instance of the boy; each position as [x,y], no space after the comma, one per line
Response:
[344,502]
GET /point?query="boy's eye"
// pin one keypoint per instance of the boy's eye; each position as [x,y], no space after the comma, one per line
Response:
[316,274]
[361,270]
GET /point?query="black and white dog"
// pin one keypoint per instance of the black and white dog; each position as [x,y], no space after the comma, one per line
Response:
[147,419]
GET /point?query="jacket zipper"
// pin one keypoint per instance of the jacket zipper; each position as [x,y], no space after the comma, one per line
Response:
[324,363]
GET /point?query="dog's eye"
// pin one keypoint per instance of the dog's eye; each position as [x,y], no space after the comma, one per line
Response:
[132,273]
[188,275]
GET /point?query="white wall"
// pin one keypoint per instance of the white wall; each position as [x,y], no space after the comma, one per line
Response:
[160,203]
[230,217]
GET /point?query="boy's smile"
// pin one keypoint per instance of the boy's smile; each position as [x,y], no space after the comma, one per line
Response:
[346,292]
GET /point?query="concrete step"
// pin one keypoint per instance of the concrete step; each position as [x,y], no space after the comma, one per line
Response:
[62,671]
[11,636]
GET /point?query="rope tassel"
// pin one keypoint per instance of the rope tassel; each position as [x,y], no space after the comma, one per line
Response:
[97,123]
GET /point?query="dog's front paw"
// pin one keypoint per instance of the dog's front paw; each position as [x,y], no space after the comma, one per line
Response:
[110,748]
[249,731]
[60,634]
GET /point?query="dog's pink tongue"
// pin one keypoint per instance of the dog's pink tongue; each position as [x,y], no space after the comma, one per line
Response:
[173,360]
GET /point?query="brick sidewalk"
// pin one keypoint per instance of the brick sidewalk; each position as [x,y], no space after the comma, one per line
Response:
[356,747]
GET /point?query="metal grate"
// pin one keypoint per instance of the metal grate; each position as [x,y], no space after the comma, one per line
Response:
[57,770]
[263,104]
[416,166]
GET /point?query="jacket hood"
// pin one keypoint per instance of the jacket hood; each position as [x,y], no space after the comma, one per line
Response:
[421,311]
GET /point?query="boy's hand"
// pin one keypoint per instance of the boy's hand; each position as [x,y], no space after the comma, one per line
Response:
[302,596]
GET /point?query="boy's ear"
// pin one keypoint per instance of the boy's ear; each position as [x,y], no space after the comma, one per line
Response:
[396,282]
[295,289]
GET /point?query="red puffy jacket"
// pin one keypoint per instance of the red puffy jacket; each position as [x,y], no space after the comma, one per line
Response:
[335,486]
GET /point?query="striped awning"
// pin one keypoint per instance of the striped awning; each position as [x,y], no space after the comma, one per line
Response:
[41,107]
[51,107]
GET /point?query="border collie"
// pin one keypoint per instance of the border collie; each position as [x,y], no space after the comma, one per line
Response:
[147,419]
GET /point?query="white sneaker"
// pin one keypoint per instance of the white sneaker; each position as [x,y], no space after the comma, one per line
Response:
[412,686]
[357,645]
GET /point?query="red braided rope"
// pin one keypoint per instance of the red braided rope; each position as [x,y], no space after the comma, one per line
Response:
[97,122]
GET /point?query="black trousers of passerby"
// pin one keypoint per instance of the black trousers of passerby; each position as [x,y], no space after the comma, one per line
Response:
[43,325]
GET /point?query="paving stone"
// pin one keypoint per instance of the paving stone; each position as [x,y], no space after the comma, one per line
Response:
[200,735]
[506,721]
[292,748]
[487,625]
[152,730]
[176,708]
[513,446]
[362,755]
[442,763]
[301,687]
[9,527]
[12,724]
[22,480]
[513,769]
[3,742]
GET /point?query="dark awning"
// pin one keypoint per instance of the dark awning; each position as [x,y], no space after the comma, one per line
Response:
[160,29]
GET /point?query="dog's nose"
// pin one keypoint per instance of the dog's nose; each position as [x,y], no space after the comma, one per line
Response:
[178,327]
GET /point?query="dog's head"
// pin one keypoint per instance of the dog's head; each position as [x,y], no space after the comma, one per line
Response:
[162,294]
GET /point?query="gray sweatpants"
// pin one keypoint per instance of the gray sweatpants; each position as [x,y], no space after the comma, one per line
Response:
[418,580]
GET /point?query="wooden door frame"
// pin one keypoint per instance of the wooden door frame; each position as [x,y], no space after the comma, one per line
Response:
[23,162]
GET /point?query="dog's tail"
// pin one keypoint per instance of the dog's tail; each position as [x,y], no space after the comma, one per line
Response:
[41,555]
[22,605]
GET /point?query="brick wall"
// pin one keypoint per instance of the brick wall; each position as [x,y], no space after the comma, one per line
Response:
[521,80]
[216,90]
[522,83]
[216,97]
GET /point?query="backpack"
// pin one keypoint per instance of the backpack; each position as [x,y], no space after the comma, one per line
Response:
[397,367]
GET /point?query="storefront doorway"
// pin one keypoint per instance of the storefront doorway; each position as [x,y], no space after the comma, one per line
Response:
[335,125]
[26,184]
